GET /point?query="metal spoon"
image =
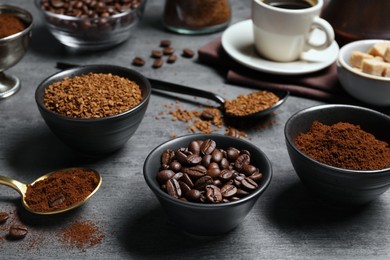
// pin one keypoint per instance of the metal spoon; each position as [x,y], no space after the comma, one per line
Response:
[22,189]
[176,88]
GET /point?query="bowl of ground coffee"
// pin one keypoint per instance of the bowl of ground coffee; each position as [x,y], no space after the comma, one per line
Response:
[340,152]
[207,183]
[91,25]
[94,109]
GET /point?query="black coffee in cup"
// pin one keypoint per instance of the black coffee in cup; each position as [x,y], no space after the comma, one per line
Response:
[289,4]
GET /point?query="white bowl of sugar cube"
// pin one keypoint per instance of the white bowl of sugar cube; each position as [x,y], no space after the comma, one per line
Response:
[364,71]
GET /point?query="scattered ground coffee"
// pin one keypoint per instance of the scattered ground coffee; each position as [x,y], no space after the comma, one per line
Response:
[10,24]
[82,234]
[203,173]
[61,190]
[92,95]
[251,103]
[344,145]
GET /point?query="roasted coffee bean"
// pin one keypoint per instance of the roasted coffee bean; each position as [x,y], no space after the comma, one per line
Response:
[206,160]
[224,164]
[245,152]
[193,159]
[57,201]
[202,182]
[242,160]
[213,172]
[173,188]
[241,192]
[183,199]
[17,231]
[194,147]
[226,175]
[3,217]
[207,146]
[178,175]
[257,176]
[228,190]
[184,187]
[167,157]
[248,169]
[193,195]
[156,54]
[232,153]
[164,175]
[165,43]
[217,156]
[187,180]
[213,165]
[232,199]
[217,183]
[157,63]
[195,171]
[249,184]
[207,115]
[138,61]
[168,51]
[213,194]
[175,166]
[188,53]
[172,58]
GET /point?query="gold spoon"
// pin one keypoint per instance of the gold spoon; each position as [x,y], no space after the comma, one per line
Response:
[22,189]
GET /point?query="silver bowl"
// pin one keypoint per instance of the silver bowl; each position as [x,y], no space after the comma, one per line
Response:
[12,50]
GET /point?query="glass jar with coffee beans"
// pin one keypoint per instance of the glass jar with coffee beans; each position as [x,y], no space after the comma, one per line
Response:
[196,16]
[203,173]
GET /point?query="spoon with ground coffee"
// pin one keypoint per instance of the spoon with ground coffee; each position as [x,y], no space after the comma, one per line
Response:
[57,191]
[244,107]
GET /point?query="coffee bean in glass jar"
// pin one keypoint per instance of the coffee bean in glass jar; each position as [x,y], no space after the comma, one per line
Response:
[204,173]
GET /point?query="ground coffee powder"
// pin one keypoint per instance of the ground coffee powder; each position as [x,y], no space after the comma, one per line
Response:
[82,234]
[344,145]
[10,24]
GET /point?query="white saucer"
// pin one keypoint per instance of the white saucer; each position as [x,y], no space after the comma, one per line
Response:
[237,40]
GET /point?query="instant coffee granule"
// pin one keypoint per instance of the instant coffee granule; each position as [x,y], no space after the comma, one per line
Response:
[82,234]
[344,145]
[61,190]
[92,95]
[10,24]
[251,103]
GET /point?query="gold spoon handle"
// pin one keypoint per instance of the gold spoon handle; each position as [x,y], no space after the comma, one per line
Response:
[16,185]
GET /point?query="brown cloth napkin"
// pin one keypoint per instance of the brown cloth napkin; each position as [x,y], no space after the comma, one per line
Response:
[321,85]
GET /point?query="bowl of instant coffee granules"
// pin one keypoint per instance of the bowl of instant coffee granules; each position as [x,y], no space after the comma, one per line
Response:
[91,25]
[340,152]
[207,183]
[94,109]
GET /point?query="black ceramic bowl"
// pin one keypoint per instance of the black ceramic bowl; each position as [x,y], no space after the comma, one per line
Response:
[207,219]
[98,136]
[336,185]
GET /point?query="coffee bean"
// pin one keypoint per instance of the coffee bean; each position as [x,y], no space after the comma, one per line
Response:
[217,156]
[172,58]
[257,176]
[173,188]
[3,217]
[167,156]
[232,153]
[213,194]
[206,160]
[224,164]
[168,51]
[164,175]
[242,160]
[194,147]
[156,54]
[195,171]
[207,146]
[213,165]
[157,63]
[193,159]
[188,53]
[228,190]
[213,172]
[178,175]
[207,115]
[201,183]
[248,169]
[241,193]
[249,184]
[165,43]
[184,187]
[187,180]
[217,183]
[17,231]
[226,175]
[193,195]
[175,166]
[138,61]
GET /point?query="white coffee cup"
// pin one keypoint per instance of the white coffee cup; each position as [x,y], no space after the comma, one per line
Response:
[282,34]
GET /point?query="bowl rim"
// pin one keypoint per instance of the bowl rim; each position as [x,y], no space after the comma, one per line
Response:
[44,83]
[350,47]
[79,19]
[290,142]
[29,24]
[204,206]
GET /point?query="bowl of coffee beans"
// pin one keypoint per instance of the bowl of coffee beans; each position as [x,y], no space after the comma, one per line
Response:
[91,25]
[207,183]
[340,152]
[94,109]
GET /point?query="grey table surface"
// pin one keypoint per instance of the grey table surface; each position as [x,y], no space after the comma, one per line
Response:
[286,223]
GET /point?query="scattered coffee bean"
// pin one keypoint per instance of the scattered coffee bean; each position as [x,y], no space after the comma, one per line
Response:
[203,173]
[172,58]
[188,53]
[158,63]
[3,217]
[156,54]
[168,51]
[17,231]
[165,43]
[138,61]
